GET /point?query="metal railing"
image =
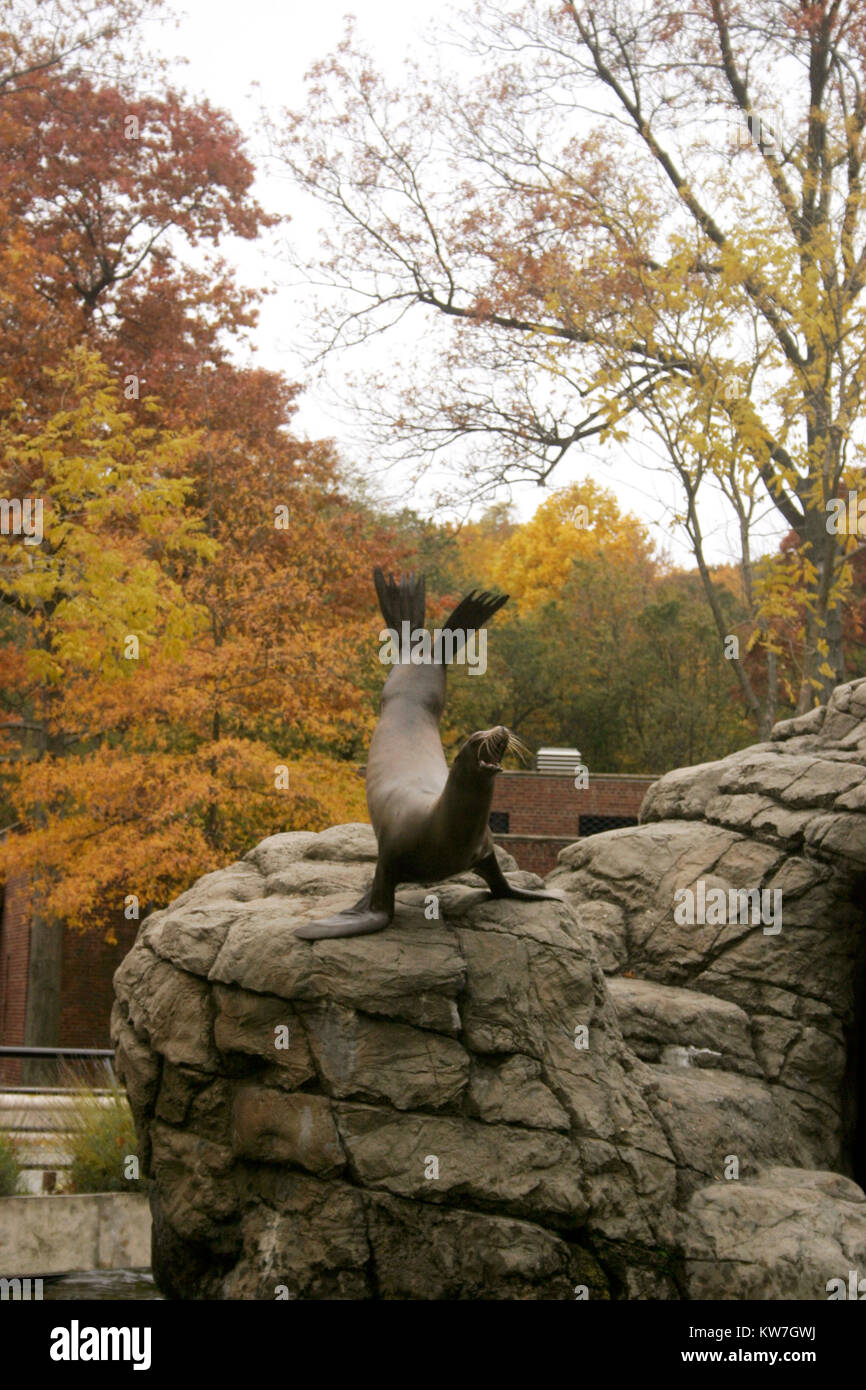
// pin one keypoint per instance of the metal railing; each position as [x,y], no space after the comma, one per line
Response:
[36,1114]
[56,1051]
[57,1054]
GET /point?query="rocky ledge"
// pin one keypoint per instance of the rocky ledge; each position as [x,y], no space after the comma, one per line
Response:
[769,1013]
[586,1098]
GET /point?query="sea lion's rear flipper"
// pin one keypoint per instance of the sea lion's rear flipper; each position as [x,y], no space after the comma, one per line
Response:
[472,613]
[489,869]
[403,602]
[355,921]
[370,914]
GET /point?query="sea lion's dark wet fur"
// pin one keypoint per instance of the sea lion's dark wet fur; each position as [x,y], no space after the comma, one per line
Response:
[430,822]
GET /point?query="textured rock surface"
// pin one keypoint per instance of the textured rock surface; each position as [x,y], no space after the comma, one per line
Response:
[787,818]
[521,1100]
[755,1038]
[446,1109]
[775,1237]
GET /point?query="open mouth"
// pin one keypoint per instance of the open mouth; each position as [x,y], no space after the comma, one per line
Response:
[494,746]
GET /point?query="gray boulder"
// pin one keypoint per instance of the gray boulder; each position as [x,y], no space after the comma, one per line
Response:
[777,833]
[445,1109]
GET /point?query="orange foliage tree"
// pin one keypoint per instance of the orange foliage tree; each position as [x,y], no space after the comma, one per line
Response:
[187,660]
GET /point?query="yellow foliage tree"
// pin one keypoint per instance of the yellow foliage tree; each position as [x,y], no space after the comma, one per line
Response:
[537,559]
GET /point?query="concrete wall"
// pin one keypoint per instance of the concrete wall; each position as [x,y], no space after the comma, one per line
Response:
[65,1234]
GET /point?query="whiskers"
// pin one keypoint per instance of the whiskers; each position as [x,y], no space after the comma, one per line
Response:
[501,741]
[517,747]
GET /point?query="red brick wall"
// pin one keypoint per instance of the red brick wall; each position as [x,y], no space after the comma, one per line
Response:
[14,964]
[537,853]
[545,803]
[86,996]
[544,811]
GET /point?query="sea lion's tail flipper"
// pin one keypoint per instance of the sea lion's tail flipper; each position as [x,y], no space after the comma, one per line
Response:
[355,921]
[472,614]
[371,914]
[474,611]
[403,602]
[489,869]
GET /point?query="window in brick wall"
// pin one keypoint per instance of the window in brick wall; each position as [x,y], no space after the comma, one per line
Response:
[594,825]
[499,822]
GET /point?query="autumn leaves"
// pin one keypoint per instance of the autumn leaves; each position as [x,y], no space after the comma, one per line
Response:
[183,584]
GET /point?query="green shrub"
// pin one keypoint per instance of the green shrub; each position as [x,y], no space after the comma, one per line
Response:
[10,1168]
[100,1141]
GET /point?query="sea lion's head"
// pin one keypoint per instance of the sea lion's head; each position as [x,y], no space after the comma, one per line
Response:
[484,750]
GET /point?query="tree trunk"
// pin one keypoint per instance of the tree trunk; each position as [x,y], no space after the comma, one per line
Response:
[44,979]
[823,619]
[44,970]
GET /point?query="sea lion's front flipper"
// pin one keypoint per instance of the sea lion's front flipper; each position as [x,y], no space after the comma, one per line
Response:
[370,914]
[499,886]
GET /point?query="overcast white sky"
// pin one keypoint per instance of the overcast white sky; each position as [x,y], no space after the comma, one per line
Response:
[243,56]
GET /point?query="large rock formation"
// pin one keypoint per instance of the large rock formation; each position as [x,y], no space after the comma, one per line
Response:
[443,1110]
[777,1005]
[507,1100]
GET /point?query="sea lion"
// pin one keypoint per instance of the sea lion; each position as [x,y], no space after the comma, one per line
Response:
[430,822]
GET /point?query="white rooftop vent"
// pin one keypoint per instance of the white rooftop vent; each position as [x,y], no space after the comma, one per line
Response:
[561,760]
